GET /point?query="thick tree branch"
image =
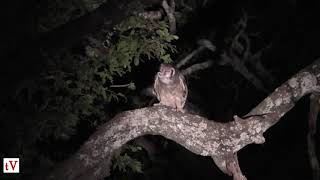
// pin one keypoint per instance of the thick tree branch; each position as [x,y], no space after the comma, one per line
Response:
[221,141]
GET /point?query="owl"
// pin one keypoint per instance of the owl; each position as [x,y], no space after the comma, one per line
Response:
[170,87]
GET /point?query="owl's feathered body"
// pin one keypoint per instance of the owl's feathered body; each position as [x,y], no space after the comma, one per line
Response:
[170,87]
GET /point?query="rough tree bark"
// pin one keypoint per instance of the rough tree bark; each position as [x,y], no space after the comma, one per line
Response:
[221,141]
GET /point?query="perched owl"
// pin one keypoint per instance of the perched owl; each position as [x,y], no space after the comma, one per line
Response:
[170,87]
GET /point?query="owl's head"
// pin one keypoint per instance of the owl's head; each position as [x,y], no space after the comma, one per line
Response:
[166,73]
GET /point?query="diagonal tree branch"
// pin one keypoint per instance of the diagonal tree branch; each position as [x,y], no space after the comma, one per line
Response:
[240,67]
[221,141]
[197,67]
[203,44]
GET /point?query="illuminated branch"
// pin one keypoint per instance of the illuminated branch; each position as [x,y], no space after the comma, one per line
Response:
[221,141]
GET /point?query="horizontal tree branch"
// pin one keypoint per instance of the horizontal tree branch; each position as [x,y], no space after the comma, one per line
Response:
[221,141]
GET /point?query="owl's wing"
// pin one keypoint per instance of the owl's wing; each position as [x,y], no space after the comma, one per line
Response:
[183,84]
[156,87]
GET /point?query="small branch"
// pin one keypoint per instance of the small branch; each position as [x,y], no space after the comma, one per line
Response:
[204,3]
[197,67]
[203,44]
[234,168]
[184,5]
[313,115]
[120,86]
[207,44]
[151,14]
[238,66]
[170,9]
[189,56]
[236,44]
[240,52]
[129,85]
[172,5]
[255,61]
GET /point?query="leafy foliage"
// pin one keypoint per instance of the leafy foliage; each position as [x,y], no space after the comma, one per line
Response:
[76,86]
[124,162]
[138,37]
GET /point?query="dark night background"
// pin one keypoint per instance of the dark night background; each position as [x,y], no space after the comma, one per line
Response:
[42,123]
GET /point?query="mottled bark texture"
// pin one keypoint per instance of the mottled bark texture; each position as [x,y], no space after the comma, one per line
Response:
[221,141]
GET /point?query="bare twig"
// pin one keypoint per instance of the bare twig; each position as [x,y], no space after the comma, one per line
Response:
[238,66]
[183,4]
[240,52]
[255,61]
[189,56]
[197,67]
[170,9]
[157,14]
[204,3]
[207,44]
[203,44]
[122,85]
